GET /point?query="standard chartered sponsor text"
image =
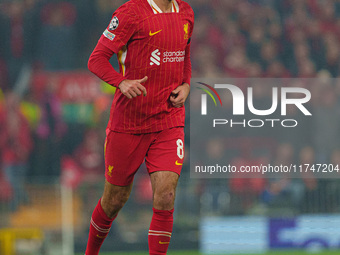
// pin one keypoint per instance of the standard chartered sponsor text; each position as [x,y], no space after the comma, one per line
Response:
[173,56]
[263,169]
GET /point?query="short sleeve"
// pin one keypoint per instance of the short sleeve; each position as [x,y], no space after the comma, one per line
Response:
[121,28]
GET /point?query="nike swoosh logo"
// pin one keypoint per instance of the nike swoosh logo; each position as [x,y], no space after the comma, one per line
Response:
[178,164]
[160,242]
[102,237]
[152,34]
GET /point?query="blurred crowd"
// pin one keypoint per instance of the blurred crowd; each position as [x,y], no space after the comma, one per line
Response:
[232,38]
[259,38]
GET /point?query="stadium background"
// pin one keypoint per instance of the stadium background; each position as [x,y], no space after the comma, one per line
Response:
[54,114]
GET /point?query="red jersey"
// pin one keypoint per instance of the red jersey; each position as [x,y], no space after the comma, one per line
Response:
[153,44]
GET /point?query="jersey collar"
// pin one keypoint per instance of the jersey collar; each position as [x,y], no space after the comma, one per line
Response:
[157,10]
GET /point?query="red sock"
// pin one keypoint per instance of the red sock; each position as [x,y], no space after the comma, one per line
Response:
[160,231]
[99,229]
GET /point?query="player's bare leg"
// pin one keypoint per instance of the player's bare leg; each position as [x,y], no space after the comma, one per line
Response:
[113,199]
[164,185]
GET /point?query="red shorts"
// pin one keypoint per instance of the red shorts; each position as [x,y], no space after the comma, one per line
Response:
[124,153]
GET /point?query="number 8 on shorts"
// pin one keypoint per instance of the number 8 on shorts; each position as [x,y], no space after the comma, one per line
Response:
[180,149]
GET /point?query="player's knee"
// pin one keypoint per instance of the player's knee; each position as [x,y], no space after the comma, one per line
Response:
[115,203]
[164,200]
[119,201]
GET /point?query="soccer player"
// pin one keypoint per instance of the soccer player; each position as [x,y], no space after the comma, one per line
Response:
[152,41]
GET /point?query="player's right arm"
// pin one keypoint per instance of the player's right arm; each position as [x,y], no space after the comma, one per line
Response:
[116,35]
[99,64]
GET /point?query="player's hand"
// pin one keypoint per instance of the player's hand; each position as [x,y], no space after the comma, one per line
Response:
[179,95]
[133,88]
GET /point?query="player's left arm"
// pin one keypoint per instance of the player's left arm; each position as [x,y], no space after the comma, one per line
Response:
[180,94]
